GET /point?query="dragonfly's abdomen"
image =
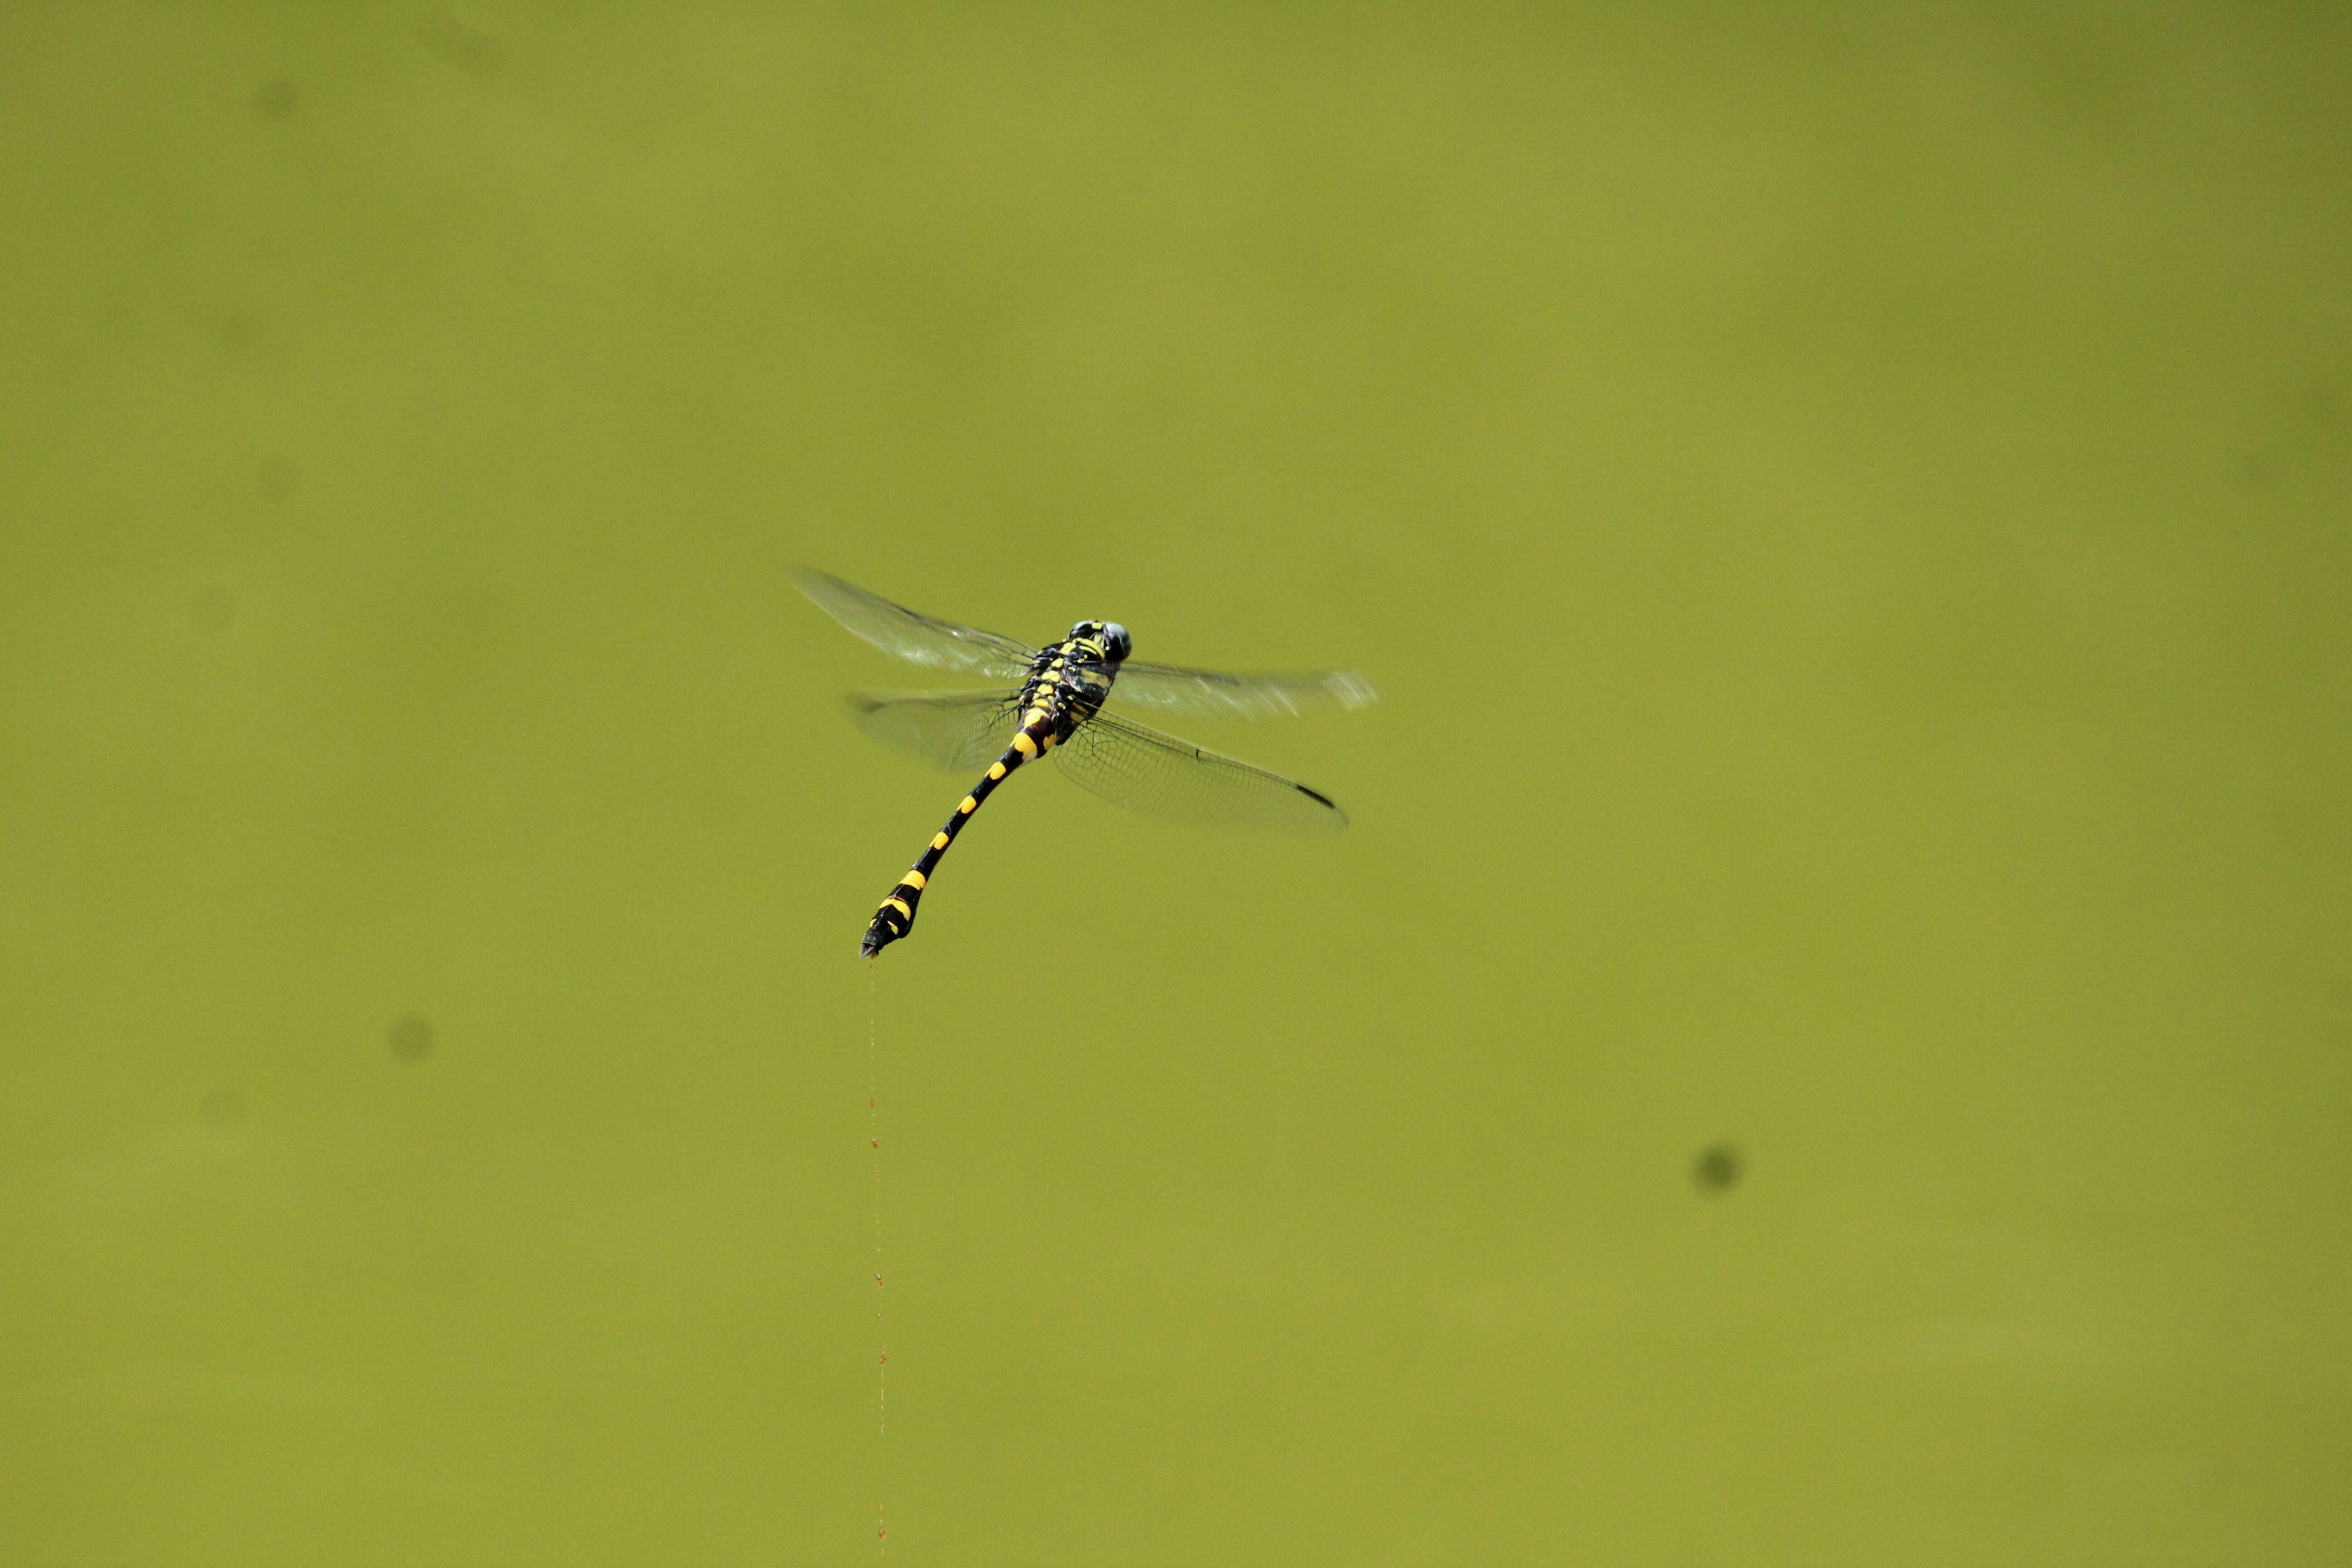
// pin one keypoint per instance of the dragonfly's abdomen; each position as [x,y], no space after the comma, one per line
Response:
[896,917]
[1067,688]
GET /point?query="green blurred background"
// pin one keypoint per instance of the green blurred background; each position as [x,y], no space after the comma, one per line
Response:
[1830,1040]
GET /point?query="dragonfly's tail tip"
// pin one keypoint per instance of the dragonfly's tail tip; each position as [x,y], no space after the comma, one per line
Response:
[896,914]
[880,935]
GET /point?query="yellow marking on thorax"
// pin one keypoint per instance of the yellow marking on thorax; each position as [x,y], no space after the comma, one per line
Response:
[912,879]
[1023,744]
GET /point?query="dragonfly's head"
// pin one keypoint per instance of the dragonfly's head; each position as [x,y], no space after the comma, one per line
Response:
[1108,636]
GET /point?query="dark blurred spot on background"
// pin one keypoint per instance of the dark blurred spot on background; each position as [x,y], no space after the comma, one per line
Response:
[1716,1168]
[212,607]
[411,1038]
[450,40]
[278,479]
[277,99]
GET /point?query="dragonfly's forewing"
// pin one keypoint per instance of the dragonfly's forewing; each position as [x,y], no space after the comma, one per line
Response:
[1264,694]
[920,639]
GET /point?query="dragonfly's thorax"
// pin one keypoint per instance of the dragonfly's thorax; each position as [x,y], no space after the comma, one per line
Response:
[1068,681]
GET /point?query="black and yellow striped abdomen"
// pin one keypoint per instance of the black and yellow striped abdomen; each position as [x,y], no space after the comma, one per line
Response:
[1043,723]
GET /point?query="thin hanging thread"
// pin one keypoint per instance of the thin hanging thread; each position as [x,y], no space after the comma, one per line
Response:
[881,1298]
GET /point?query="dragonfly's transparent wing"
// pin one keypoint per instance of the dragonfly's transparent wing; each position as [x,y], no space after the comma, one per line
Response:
[1268,695]
[1160,775]
[956,731]
[918,638]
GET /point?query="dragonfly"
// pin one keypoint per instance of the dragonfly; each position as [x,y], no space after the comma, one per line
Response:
[1051,699]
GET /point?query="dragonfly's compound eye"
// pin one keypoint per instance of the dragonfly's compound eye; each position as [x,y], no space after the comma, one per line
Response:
[1116,643]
